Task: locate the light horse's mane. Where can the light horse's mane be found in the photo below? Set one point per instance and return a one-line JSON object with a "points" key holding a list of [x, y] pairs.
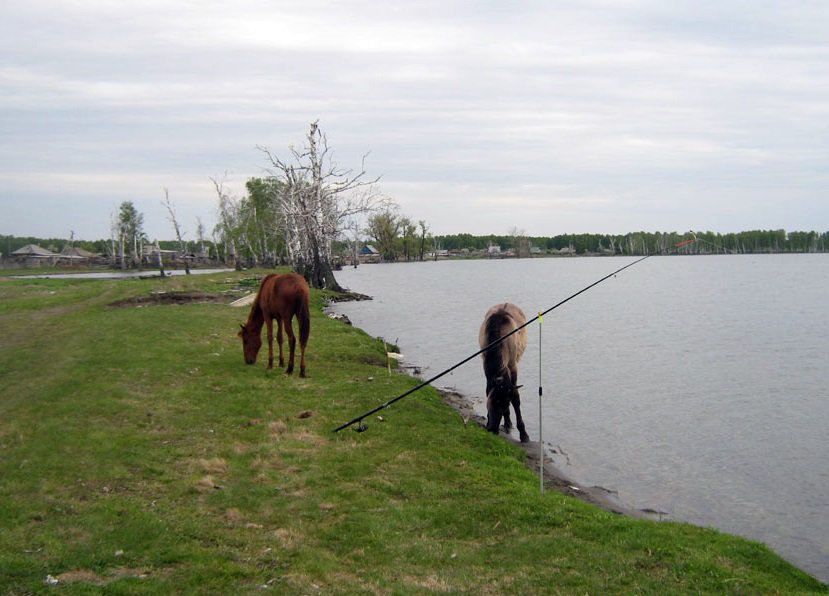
{"points": [[498, 359]]}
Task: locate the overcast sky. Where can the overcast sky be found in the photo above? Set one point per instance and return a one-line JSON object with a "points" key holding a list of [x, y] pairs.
{"points": [[550, 116]]}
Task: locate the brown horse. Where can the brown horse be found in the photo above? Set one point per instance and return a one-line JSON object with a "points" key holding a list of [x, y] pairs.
{"points": [[501, 366], [280, 297]]}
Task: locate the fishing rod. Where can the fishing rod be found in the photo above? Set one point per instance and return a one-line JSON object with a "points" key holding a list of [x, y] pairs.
{"points": [[362, 427]]}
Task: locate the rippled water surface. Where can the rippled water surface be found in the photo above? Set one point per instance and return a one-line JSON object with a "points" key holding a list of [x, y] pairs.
{"points": [[696, 386]]}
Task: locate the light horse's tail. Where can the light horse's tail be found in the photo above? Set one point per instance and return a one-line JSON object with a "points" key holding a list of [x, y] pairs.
{"points": [[500, 359], [495, 359]]}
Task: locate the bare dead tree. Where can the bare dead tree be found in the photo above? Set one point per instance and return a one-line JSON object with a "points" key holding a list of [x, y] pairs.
{"points": [[200, 235], [352, 237], [114, 227], [520, 242], [172, 217], [316, 200], [160, 259], [228, 221], [424, 229]]}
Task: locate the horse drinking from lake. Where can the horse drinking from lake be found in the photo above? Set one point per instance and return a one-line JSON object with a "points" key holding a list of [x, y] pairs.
{"points": [[280, 297], [501, 365]]}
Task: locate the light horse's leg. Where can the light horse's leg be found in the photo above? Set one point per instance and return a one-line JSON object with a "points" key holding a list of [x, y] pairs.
{"points": [[490, 410], [493, 417], [506, 351], [493, 410], [522, 431], [516, 405], [289, 329]]}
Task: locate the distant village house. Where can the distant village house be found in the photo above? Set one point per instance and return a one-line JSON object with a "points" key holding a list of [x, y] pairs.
{"points": [[369, 254]]}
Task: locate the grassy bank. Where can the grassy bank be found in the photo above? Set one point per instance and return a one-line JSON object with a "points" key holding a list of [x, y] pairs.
{"points": [[138, 454]]}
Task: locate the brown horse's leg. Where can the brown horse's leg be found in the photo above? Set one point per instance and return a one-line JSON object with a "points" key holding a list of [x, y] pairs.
{"points": [[279, 341], [269, 323], [289, 329]]}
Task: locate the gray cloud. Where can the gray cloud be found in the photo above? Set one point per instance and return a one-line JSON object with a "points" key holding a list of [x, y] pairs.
{"points": [[600, 116]]}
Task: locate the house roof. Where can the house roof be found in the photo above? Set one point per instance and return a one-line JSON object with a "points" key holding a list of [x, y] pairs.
{"points": [[33, 250], [368, 249], [76, 251]]}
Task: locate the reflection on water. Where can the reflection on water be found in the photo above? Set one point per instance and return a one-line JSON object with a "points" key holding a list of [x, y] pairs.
{"points": [[691, 385]]}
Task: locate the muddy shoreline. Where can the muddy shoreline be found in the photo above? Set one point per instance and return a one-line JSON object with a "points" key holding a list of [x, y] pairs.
{"points": [[554, 478]]}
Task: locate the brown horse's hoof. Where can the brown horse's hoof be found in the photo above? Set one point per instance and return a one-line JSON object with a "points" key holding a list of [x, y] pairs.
{"points": [[525, 438]]}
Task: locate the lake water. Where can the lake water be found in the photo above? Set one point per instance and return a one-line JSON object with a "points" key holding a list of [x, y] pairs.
{"points": [[696, 386]]}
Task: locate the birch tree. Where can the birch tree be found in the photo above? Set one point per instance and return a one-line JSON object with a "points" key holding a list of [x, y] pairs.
{"points": [[316, 199], [130, 233], [225, 231]]}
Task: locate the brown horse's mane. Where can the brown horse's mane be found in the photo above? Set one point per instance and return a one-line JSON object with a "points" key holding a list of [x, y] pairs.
{"points": [[256, 317]]}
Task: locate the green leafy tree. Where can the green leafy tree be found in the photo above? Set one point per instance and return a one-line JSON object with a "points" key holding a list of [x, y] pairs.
{"points": [[384, 228], [130, 234]]}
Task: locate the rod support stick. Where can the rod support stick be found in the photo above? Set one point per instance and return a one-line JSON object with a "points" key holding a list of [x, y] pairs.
{"points": [[540, 419]]}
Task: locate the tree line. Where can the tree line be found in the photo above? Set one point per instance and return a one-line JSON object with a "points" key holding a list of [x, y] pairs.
{"points": [[398, 237], [643, 243]]}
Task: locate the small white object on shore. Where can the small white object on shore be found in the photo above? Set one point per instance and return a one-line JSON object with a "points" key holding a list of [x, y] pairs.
{"points": [[244, 300]]}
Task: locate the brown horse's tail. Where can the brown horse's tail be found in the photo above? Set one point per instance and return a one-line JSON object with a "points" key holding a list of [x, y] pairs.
{"points": [[304, 316]]}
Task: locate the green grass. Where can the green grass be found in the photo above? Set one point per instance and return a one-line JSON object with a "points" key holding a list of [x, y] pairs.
{"points": [[139, 454]]}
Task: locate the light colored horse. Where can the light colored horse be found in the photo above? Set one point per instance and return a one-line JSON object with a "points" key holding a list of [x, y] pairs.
{"points": [[501, 365]]}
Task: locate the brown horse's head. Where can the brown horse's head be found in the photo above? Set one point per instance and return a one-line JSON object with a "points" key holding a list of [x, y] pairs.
{"points": [[251, 342], [499, 396]]}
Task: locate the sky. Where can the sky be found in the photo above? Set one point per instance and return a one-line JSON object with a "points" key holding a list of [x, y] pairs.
{"points": [[547, 116]]}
